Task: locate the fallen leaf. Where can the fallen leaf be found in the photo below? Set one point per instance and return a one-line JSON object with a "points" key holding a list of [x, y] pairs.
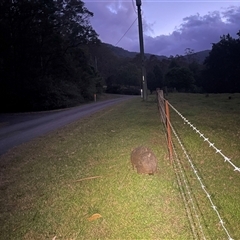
{"points": [[94, 217]]}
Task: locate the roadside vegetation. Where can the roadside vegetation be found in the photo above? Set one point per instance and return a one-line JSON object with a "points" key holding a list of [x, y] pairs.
{"points": [[78, 183], [52, 186], [44, 60]]}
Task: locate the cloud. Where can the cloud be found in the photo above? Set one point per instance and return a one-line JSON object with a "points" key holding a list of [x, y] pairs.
{"points": [[112, 19], [232, 16], [196, 32]]}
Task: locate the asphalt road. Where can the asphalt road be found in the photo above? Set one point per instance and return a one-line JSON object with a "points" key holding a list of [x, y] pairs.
{"points": [[16, 129]]}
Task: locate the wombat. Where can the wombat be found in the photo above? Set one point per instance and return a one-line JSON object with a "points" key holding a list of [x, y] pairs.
{"points": [[144, 160]]}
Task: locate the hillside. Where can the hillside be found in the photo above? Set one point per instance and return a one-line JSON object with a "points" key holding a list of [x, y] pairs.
{"points": [[200, 56], [122, 53]]}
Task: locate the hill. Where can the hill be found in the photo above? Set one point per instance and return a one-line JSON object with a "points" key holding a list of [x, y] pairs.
{"points": [[200, 56], [122, 53]]}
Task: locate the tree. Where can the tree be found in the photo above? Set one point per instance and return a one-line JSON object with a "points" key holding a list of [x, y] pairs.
{"points": [[73, 23], [42, 60], [189, 53], [173, 63], [155, 79], [152, 81], [179, 78], [159, 76], [103, 60], [222, 72]]}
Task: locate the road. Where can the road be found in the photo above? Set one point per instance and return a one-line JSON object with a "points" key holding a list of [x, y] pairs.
{"points": [[16, 129]]}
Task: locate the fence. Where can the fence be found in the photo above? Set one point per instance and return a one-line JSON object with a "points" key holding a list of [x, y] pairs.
{"points": [[189, 203]]}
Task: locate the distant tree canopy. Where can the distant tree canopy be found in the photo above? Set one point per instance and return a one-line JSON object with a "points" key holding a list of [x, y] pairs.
{"points": [[219, 73], [180, 79], [155, 79], [222, 73], [43, 60], [51, 57], [178, 72], [125, 79]]}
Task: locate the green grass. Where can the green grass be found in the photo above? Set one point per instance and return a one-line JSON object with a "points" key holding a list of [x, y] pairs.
{"points": [[218, 118], [46, 189]]}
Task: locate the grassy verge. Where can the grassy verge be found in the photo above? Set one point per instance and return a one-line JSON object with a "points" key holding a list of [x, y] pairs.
{"points": [[218, 118], [52, 185]]}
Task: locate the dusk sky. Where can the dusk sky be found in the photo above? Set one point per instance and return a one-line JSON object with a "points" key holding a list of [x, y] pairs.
{"points": [[169, 26]]}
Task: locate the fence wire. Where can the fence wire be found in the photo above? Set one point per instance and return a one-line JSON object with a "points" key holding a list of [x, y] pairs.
{"points": [[202, 185], [189, 198], [183, 185], [219, 151], [192, 212]]}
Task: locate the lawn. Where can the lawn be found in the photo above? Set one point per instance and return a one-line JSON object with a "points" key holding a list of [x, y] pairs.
{"points": [[78, 183], [53, 185], [217, 116]]}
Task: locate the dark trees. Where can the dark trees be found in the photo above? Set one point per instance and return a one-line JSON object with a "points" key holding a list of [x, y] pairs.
{"points": [[42, 60], [125, 79], [24, 40], [180, 79], [155, 79], [154, 73], [222, 72]]}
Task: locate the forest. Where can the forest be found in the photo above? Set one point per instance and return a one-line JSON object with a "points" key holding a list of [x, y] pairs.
{"points": [[51, 57], [44, 59]]}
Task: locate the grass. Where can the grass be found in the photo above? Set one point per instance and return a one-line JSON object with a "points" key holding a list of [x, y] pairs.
{"points": [[51, 186], [218, 118]]}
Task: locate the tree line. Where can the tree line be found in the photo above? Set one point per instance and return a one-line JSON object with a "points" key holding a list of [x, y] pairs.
{"points": [[51, 57], [44, 60], [218, 73], [222, 66]]}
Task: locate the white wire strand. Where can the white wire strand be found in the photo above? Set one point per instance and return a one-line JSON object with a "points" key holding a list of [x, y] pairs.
{"points": [[177, 168], [188, 191], [187, 207], [201, 183], [226, 159]]}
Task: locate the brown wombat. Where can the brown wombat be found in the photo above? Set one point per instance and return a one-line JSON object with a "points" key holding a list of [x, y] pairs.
{"points": [[144, 160]]}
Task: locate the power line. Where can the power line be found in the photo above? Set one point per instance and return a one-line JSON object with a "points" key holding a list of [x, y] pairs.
{"points": [[134, 7], [126, 32]]}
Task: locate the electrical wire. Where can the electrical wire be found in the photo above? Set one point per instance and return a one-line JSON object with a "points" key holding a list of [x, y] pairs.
{"points": [[134, 7], [126, 32]]}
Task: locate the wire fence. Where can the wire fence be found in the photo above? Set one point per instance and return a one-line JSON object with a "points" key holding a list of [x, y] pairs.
{"points": [[211, 144], [185, 189]]}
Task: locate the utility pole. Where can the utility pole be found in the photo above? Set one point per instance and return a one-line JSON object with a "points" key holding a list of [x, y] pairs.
{"points": [[144, 79]]}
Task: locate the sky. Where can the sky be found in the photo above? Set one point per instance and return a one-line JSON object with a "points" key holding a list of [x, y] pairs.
{"points": [[169, 26]]}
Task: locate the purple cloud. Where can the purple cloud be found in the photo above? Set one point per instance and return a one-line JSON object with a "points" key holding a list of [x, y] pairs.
{"points": [[112, 19], [196, 32]]}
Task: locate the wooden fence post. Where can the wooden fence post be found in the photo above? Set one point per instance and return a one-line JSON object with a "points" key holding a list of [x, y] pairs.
{"points": [[169, 137], [161, 107]]}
